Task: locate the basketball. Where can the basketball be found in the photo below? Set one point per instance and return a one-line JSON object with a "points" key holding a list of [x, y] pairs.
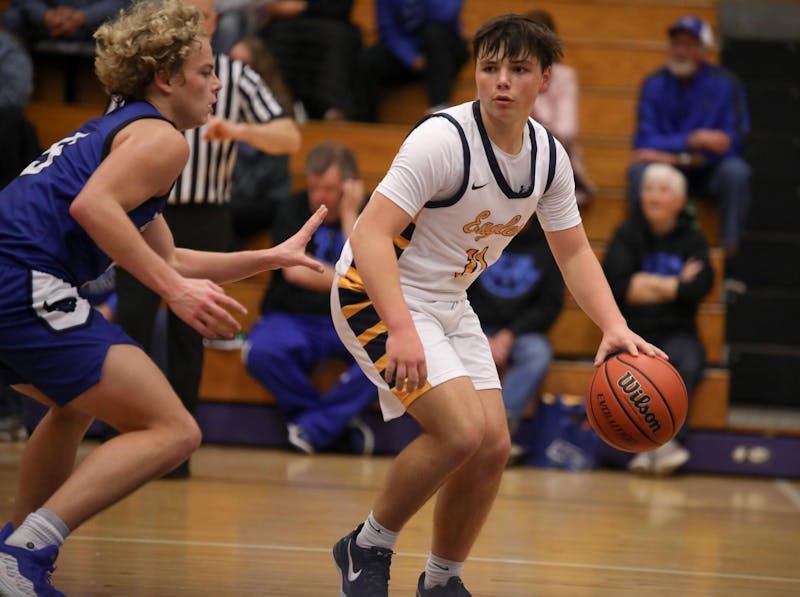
{"points": [[636, 403]]}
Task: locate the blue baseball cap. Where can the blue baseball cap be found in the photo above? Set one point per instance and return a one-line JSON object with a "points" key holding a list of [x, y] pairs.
{"points": [[696, 26]]}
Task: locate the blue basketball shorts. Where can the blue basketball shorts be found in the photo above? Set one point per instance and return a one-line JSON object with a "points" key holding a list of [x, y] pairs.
{"points": [[50, 336]]}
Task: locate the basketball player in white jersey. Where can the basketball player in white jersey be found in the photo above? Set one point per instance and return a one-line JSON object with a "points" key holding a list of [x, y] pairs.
{"points": [[463, 183]]}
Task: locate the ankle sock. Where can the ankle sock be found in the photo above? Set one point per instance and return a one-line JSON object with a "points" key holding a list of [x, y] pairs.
{"points": [[373, 534], [40, 529], [438, 571]]}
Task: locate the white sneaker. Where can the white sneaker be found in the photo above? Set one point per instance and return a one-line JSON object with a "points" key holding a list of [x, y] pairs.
{"points": [[516, 455], [12, 429], [235, 343], [669, 457], [298, 439], [642, 463]]}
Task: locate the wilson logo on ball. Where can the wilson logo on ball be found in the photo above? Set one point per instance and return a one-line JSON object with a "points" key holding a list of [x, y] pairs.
{"points": [[636, 403], [633, 390]]}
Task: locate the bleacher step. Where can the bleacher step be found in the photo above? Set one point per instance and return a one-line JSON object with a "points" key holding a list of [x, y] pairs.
{"points": [[225, 379]]}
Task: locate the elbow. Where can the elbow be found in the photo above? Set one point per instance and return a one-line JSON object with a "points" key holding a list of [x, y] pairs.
{"points": [[80, 211]]}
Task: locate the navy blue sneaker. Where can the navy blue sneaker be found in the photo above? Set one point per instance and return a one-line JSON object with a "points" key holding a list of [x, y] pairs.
{"points": [[365, 571], [453, 588], [25, 572]]}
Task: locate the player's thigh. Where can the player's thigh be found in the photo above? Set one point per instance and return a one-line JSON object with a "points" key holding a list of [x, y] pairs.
{"points": [[451, 407], [65, 415], [132, 393]]}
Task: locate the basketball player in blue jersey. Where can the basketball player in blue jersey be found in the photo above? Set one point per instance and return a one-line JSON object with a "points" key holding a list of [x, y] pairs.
{"points": [[463, 184], [92, 199]]}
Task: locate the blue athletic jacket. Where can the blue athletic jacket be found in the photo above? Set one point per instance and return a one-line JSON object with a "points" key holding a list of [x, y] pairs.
{"points": [[668, 111]]}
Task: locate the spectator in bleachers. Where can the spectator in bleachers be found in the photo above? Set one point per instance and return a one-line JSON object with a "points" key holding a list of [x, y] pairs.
{"points": [[260, 180], [418, 39], [19, 145], [659, 270], [693, 115], [16, 72], [316, 46], [295, 332], [74, 20], [557, 109], [517, 300]]}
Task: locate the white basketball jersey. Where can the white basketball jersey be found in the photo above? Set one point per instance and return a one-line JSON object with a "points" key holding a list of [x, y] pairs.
{"points": [[468, 199]]}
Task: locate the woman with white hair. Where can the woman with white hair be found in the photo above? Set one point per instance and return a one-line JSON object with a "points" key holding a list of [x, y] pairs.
{"points": [[659, 270]]}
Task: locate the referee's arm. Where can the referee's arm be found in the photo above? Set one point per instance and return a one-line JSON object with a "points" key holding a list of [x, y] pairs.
{"points": [[277, 136]]}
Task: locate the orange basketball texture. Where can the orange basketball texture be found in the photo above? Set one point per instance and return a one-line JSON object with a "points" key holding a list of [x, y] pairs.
{"points": [[636, 403]]}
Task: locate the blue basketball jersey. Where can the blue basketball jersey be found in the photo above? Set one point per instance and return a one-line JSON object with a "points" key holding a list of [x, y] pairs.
{"points": [[36, 228]]}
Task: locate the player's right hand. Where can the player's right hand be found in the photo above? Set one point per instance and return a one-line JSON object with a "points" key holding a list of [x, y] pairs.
{"points": [[204, 305], [405, 361]]}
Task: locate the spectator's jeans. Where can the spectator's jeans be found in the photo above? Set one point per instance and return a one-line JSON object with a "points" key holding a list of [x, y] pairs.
{"points": [[530, 359], [727, 183], [688, 355], [282, 350]]}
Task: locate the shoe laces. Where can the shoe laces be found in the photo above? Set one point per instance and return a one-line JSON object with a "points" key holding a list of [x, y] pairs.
{"points": [[44, 574], [376, 570], [454, 588], [457, 589]]}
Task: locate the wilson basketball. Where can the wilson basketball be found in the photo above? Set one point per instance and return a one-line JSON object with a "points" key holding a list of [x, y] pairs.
{"points": [[636, 403]]}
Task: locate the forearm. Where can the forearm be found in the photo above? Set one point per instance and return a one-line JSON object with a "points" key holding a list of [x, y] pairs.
{"points": [[309, 279], [646, 288], [221, 267], [277, 136]]}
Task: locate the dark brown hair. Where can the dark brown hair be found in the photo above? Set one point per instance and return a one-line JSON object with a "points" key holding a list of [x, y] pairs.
{"points": [[518, 37]]}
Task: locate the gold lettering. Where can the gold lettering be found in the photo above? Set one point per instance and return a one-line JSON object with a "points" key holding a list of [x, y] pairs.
{"points": [[483, 229]]}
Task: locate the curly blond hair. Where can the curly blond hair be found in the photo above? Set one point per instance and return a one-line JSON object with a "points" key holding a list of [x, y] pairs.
{"points": [[150, 36]]}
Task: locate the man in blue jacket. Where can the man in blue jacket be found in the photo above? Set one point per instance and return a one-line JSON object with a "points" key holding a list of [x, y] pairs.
{"points": [[693, 115]]}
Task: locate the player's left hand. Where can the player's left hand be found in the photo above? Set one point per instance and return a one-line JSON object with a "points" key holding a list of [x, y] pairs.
{"points": [[622, 338], [292, 251]]}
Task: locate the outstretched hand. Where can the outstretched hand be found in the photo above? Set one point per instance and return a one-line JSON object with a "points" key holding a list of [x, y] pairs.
{"points": [[624, 339], [205, 307], [292, 251]]}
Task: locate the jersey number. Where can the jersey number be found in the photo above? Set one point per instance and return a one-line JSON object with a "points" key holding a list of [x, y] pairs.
{"points": [[476, 261], [51, 154]]}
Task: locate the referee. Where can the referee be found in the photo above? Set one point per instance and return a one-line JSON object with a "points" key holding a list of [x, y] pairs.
{"points": [[197, 211]]}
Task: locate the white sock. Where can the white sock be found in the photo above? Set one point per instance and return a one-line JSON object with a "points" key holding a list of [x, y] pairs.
{"points": [[40, 529], [374, 534], [438, 571]]}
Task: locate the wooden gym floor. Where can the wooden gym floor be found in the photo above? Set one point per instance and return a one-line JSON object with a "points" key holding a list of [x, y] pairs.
{"points": [[259, 522]]}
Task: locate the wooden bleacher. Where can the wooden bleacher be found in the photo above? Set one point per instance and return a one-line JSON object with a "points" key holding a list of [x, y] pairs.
{"points": [[612, 45]]}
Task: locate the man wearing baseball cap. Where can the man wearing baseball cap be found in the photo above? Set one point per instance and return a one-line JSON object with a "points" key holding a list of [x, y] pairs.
{"points": [[692, 114]]}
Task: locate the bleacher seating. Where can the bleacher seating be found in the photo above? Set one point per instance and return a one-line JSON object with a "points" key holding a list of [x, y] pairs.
{"points": [[612, 45]]}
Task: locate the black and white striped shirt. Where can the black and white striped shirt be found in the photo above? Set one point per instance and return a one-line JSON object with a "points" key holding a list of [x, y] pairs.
{"points": [[244, 97], [207, 177]]}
